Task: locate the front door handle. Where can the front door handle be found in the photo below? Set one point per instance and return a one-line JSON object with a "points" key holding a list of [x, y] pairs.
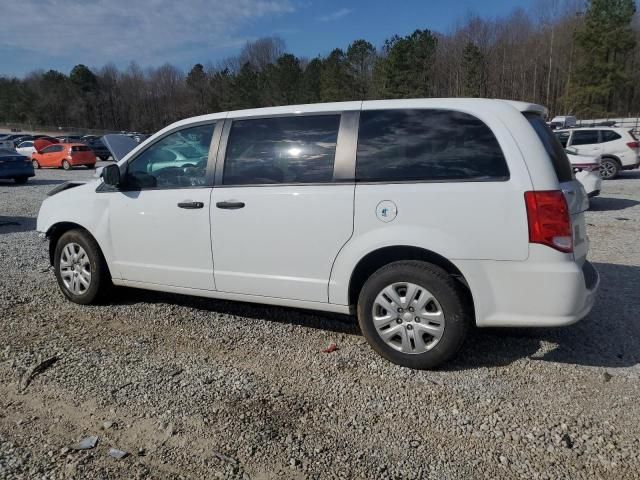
{"points": [[230, 205], [191, 205]]}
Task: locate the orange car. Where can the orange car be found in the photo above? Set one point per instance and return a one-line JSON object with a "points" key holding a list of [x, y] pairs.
{"points": [[65, 155]]}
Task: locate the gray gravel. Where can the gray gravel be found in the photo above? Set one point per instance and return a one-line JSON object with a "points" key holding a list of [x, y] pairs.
{"points": [[197, 388]]}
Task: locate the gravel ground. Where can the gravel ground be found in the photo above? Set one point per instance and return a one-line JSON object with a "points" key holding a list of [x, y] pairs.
{"points": [[198, 388]]}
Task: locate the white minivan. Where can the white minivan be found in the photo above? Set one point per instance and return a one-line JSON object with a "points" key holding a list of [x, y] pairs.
{"points": [[423, 217]]}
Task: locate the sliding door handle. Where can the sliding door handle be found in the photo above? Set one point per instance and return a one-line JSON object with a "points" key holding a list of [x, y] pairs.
{"points": [[191, 205], [230, 205]]}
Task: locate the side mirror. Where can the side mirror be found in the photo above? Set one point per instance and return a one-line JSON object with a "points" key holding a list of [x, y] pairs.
{"points": [[111, 175]]}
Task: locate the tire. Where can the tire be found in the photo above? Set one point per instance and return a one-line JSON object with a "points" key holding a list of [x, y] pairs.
{"points": [[99, 283], [449, 307], [92, 166], [66, 165], [609, 168], [21, 180], [35, 164], [104, 159]]}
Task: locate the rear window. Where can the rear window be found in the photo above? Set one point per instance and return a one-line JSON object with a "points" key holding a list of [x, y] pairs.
{"points": [[551, 144], [80, 149], [427, 145]]}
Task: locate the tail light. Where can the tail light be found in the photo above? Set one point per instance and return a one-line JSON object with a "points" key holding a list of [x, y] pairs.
{"points": [[549, 222], [633, 145]]}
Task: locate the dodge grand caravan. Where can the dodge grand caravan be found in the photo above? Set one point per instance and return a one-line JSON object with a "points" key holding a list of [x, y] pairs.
{"points": [[422, 217]]}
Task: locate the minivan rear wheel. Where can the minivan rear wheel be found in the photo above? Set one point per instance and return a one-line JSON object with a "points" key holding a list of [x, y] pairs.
{"points": [[413, 314], [80, 268]]}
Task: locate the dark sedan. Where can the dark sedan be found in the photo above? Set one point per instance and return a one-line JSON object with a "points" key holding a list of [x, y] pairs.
{"points": [[15, 166]]}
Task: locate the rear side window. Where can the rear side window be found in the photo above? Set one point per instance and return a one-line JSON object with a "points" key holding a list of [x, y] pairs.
{"points": [[426, 145], [295, 149], [551, 144], [584, 137], [609, 136]]}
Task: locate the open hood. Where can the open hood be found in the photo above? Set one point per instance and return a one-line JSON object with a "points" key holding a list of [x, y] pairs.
{"points": [[41, 143], [119, 145]]}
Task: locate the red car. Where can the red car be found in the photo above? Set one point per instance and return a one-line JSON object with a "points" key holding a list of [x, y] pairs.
{"points": [[65, 155]]}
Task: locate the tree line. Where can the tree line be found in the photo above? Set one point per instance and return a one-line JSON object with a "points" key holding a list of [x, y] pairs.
{"points": [[573, 56]]}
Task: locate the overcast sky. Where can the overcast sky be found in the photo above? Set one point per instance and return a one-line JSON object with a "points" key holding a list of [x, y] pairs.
{"points": [[43, 34]]}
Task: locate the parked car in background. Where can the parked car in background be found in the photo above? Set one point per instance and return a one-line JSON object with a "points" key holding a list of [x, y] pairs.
{"points": [[618, 147], [64, 155], [70, 138], [563, 121], [586, 169], [97, 145], [15, 166], [9, 141], [355, 207], [26, 148]]}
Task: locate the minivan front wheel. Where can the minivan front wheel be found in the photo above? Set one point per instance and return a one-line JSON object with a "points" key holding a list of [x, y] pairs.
{"points": [[80, 268], [413, 314]]}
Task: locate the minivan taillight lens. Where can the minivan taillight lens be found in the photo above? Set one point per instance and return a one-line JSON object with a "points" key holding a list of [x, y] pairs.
{"points": [[549, 221]]}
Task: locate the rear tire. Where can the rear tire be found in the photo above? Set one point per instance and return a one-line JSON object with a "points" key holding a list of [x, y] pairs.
{"points": [[104, 159], [35, 164], [609, 168], [417, 336], [21, 180], [80, 268], [66, 165]]}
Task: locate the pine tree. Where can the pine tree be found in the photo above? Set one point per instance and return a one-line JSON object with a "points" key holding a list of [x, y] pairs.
{"points": [[473, 65], [605, 42]]}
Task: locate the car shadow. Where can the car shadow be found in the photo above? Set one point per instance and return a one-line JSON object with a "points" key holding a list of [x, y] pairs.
{"points": [[608, 337], [16, 224], [603, 204], [30, 182]]}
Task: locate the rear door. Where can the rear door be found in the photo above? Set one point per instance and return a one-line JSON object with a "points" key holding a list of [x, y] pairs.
{"points": [[279, 212], [586, 142]]}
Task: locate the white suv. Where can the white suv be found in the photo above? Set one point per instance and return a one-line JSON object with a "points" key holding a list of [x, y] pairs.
{"points": [[618, 147], [422, 216]]}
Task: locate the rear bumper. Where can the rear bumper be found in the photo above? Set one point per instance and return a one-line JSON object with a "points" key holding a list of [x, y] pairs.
{"points": [[527, 294], [13, 171]]}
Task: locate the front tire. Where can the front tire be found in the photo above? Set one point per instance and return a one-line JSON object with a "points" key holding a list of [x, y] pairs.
{"points": [[80, 268], [35, 164], [66, 165], [414, 314], [609, 169]]}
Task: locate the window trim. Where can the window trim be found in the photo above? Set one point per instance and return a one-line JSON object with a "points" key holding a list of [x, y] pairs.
{"points": [[504, 178], [211, 158], [341, 165]]}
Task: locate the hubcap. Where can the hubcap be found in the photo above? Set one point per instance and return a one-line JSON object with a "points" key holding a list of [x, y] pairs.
{"points": [[75, 268], [408, 318]]}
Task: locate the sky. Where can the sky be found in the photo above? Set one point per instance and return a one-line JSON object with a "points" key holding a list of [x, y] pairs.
{"points": [[58, 34]]}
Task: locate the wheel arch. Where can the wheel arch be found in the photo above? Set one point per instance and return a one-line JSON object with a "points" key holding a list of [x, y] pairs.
{"points": [[380, 257], [56, 230], [612, 157]]}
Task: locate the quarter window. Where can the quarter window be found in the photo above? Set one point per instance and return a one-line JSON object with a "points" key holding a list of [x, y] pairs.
{"points": [[436, 145], [584, 137], [609, 136], [294, 149], [179, 160]]}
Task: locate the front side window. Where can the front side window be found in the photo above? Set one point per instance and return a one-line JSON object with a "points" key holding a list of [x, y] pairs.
{"points": [[178, 160], [431, 145], [563, 138], [584, 137], [53, 149], [293, 149]]}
